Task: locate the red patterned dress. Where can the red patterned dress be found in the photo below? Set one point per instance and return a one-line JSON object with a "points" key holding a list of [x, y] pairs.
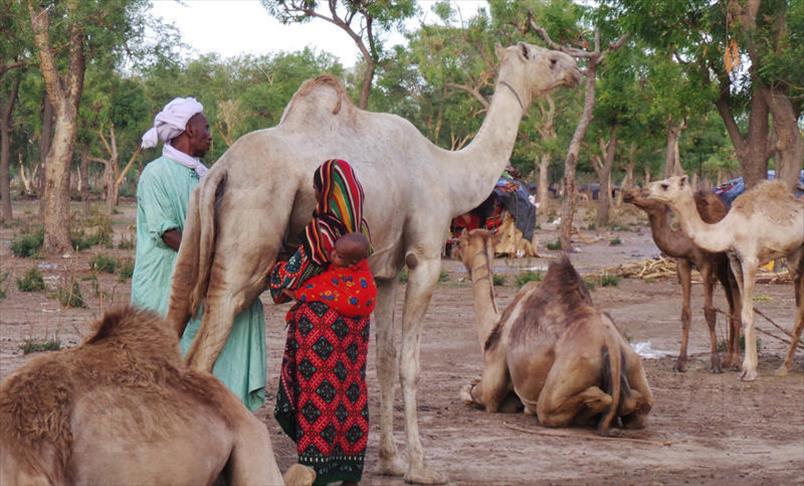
{"points": [[322, 402]]}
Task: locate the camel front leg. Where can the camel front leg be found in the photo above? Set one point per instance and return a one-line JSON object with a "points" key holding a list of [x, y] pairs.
{"points": [[795, 265], [635, 415], [390, 463], [421, 283], [685, 279], [732, 291], [708, 274], [492, 391], [749, 271]]}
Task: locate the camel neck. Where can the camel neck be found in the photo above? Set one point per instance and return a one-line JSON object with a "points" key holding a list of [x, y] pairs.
{"points": [[672, 242], [486, 313], [472, 172], [710, 237]]}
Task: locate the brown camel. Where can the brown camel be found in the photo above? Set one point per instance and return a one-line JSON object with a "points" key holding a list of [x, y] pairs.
{"points": [[764, 222], [122, 408], [562, 358], [259, 195], [713, 267]]}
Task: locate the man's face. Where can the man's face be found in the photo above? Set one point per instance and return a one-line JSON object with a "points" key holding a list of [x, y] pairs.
{"points": [[199, 135]]}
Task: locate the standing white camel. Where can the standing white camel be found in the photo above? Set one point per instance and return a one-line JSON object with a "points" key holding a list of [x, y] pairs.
{"points": [[259, 195], [765, 222]]}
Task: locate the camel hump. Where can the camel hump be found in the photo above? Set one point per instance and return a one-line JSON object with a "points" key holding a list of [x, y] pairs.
{"points": [[710, 207], [564, 281], [323, 94], [772, 199], [131, 326]]}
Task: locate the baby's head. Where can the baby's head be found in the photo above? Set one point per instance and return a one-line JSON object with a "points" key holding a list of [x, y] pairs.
{"points": [[350, 249]]}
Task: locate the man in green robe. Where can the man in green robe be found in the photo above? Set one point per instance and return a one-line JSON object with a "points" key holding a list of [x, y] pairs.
{"points": [[163, 193]]}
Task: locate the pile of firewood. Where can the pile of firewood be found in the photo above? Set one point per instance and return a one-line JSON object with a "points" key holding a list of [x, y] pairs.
{"points": [[663, 267]]}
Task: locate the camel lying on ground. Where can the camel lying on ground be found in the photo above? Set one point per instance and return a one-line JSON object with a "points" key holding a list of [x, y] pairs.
{"points": [[122, 408], [564, 360], [765, 222], [713, 267], [258, 197]]}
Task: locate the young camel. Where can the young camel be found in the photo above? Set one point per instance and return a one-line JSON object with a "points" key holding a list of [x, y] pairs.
{"points": [[562, 358], [122, 408], [764, 222], [258, 198], [713, 267]]}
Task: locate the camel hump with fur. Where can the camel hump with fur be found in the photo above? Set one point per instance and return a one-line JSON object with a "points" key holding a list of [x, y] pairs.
{"points": [[773, 200], [710, 207], [322, 91]]}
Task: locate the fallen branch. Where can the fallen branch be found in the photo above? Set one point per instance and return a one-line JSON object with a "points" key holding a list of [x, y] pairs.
{"points": [[568, 435], [799, 345]]}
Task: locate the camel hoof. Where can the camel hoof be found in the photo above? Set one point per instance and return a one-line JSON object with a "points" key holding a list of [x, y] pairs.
{"points": [[393, 466], [680, 367], [748, 375], [466, 394], [424, 475], [714, 366], [298, 475], [781, 371]]}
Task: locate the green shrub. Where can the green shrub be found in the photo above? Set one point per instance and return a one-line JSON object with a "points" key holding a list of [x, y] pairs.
{"points": [[102, 263], [32, 281], [609, 280], [443, 277], [615, 242], [126, 270], [498, 280], [70, 295], [403, 276], [34, 346], [554, 245], [3, 277], [590, 283], [126, 244], [28, 243], [529, 276]]}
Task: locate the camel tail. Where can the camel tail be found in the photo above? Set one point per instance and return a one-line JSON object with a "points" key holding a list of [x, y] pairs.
{"points": [[612, 372], [185, 272], [206, 215]]}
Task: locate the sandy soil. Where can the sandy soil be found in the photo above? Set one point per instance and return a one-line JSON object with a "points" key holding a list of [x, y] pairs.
{"points": [[704, 429]]}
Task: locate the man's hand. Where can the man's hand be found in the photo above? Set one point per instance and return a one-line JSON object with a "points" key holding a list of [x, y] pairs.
{"points": [[172, 238]]}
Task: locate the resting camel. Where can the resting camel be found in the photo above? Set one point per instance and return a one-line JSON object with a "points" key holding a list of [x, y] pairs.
{"points": [[122, 408], [713, 267], [764, 222], [562, 358], [257, 198]]}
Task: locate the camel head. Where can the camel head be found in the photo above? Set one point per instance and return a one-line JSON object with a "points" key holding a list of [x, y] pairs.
{"points": [[534, 71], [640, 198], [670, 190], [471, 244]]}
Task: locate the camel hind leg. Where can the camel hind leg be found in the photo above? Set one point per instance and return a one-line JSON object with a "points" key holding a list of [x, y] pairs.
{"points": [[795, 265], [707, 272], [635, 408]]}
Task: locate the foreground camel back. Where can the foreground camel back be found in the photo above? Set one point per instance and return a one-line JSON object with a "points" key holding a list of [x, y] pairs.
{"points": [[764, 222], [259, 195], [713, 267], [122, 408], [562, 358]]}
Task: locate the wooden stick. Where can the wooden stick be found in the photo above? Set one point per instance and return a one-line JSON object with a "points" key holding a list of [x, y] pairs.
{"points": [[566, 435], [799, 345]]}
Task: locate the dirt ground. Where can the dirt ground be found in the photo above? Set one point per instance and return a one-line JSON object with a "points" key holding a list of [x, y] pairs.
{"points": [[705, 428]]}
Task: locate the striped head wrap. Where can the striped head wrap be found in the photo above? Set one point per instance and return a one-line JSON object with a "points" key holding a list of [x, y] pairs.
{"points": [[338, 211]]}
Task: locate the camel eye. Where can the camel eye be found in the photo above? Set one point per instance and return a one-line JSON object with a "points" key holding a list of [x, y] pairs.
{"points": [[665, 186], [553, 63]]}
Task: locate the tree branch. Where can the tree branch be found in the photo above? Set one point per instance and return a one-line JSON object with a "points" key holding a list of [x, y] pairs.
{"points": [[40, 23], [472, 91]]}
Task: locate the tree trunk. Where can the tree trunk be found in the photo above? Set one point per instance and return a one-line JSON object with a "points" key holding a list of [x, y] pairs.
{"points": [[85, 180], [604, 197], [57, 183], [752, 151], [45, 141], [672, 159], [789, 146], [542, 189], [5, 151], [568, 204], [368, 78]]}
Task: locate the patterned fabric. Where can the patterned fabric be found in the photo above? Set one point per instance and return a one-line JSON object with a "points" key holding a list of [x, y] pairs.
{"points": [[322, 402], [349, 291], [339, 209], [290, 275]]}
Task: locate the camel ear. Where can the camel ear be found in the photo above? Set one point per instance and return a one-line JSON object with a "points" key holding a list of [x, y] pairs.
{"points": [[499, 51], [682, 181], [523, 49]]}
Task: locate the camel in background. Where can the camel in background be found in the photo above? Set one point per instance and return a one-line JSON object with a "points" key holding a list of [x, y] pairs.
{"points": [[565, 360], [122, 408], [713, 267], [258, 196], [764, 222]]}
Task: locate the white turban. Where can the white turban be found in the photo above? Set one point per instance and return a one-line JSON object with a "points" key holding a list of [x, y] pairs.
{"points": [[171, 121]]}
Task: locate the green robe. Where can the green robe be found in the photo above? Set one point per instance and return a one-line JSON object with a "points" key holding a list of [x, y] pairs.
{"points": [[163, 193]]}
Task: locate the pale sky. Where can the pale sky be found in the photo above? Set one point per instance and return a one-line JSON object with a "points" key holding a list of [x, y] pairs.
{"points": [[232, 27]]}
